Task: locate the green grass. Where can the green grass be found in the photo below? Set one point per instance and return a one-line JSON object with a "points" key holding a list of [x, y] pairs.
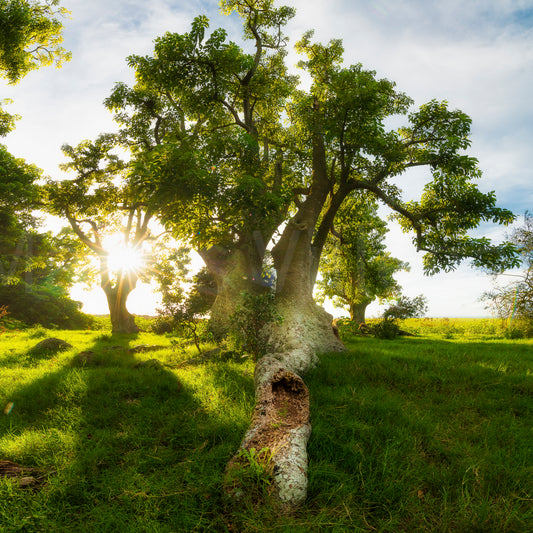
{"points": [[419, 434]]}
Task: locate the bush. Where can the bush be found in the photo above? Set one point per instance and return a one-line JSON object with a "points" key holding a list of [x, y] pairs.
{"points": [[385, 329], [163, 324], [41, 305], [513, 332]]}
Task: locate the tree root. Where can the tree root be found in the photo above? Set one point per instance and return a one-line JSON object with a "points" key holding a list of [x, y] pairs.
{"points": [[27, 477], [280, 426]]}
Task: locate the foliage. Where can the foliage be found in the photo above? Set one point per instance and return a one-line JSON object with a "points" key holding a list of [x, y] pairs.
{"points": [[18, 183], [248, 323], [429, 435], [385, 329], [45, 305], [36, 258], [30, 36], [197, 120], [183, 310], [3, 314], [227, 148], [100, 204]]}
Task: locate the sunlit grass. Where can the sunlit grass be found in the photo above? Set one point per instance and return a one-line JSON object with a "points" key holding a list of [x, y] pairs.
{"points": [[428, 433]]}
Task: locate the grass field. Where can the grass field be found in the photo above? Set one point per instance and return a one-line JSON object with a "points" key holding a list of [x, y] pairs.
{"points": [[432, 433]]}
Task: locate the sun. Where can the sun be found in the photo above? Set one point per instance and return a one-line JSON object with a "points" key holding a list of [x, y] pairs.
{"points": [[125, 259]]}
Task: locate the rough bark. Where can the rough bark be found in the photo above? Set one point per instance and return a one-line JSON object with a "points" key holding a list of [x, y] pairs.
{"points": [[357, 312], [236, 270], [122, 321], [280, 425]]}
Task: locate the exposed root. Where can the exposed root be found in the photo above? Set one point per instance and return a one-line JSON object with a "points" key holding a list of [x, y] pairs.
{"points": [[26, 477], [280, 424]]}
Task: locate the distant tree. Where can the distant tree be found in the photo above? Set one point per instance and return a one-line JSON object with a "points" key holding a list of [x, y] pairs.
{"points": [[97, 203], [355, 267], [516, 298]]}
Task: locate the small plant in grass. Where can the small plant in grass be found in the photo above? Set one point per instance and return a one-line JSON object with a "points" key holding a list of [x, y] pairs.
{"points": [[385, 329], [248, 323], [250, 476], [37, 332]]}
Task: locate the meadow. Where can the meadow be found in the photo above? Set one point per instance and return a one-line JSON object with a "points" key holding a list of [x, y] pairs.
{"points": [[424, 433]]}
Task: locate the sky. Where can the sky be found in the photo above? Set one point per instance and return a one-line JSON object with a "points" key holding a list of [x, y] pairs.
{"points": [[477, 55]]}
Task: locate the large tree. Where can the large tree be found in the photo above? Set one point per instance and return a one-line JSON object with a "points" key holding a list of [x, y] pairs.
{"points": [[99, 203], [231, 152], [204, 123], [355, 267]]}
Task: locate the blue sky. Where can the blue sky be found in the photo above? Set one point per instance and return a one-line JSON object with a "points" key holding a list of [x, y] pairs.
{"points": [[477, 55]]}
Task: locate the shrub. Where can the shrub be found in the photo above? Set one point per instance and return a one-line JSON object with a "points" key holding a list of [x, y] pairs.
{"points": [[42, 305], [513, 332], [249, 320], [163, 324], [385, 329]]}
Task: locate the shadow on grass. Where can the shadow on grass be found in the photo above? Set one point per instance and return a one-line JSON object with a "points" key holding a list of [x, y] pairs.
{"points": [[129, 446]]}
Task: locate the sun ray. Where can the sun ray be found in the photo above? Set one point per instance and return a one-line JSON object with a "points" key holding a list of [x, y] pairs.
{"points": [[122, 257]]}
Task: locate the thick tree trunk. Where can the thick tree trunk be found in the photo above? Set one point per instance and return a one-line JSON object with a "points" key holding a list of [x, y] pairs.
{"points": [[280, 423], [228, 269], [122, 321], [235, 270], [357, 312], [305, 324]]}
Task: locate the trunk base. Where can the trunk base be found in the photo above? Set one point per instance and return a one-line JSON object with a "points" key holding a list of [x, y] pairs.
{"points": [[304, 329]]}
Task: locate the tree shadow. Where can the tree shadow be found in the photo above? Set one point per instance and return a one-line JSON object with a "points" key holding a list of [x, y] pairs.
{"points": [[127, 445]]}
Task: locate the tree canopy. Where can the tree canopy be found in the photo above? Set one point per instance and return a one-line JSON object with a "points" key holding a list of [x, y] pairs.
{"points": [[30, 36]]}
